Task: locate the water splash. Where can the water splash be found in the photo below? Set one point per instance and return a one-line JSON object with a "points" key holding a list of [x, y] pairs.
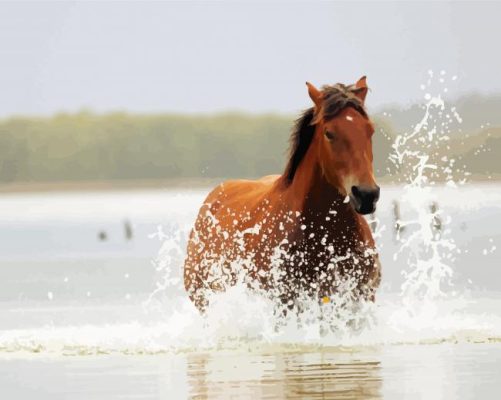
{"points": [[426, 251], [429, 247]]}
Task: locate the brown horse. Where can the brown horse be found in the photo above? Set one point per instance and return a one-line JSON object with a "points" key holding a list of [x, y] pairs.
{"points": [[302, 232]]}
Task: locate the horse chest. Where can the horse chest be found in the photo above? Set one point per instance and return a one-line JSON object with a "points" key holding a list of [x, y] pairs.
{"points": [[321, 257]]}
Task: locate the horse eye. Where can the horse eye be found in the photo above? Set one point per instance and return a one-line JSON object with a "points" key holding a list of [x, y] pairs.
{"points": [[330, 135]]}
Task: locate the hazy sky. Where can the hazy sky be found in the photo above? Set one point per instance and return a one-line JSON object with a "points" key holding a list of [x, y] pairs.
{"points": [[213, 56]]}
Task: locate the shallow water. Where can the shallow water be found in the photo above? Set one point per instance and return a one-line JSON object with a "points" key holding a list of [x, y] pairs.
{"points": [[82, 317], [443, 371]]}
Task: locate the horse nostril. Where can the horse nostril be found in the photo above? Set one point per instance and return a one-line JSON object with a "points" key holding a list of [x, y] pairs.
{"points": [[365, 198], [366, 195]]}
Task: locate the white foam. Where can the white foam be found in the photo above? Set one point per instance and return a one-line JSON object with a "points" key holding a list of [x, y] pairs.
{"points": [[241, 320]]}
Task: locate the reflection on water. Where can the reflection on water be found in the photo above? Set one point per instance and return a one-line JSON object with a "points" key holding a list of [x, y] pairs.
{"points": [[292, 376], [389, 372], [215, 375]]}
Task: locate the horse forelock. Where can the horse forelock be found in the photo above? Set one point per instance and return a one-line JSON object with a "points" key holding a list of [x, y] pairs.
{"points": [[336, 98]]}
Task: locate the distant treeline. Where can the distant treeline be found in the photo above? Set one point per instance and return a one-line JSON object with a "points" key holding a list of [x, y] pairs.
{"points": [[86, 146], [119, 146]]}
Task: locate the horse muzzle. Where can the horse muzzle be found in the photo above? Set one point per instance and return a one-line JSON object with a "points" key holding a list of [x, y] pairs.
{"points": [[364, 198]]}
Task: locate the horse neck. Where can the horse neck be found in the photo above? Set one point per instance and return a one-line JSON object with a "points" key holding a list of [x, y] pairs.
{"points": [[321, 206]]}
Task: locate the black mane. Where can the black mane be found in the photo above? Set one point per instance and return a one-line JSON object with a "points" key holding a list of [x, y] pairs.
{"points": [[300, 140], [335, 99]]}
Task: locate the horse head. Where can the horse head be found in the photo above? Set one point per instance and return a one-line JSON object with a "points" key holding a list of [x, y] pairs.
{"points": [[343, 132]]}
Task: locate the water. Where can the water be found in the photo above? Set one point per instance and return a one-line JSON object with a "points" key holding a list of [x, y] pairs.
{"points": [[85, 318], [411, 372], [92, 303]]}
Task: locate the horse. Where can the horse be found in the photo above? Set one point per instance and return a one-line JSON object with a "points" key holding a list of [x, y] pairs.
{"points": [[301, 232]]}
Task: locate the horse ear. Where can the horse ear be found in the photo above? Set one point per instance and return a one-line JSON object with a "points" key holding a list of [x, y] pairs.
{"points": [[361, 88], [315, 94]]}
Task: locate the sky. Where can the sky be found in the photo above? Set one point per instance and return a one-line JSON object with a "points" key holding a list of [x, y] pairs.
{"points": [[193, 57]]}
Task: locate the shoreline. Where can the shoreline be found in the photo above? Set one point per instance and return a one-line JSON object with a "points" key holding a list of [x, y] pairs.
{"points": [[104, 186], [162, 184]]}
